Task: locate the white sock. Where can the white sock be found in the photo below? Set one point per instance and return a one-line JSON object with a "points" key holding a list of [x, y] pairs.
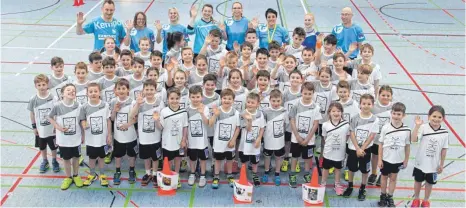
{"points": [[149, 172]]}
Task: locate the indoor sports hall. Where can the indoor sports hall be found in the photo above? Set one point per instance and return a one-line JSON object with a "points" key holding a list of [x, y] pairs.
{"points": [[419, 45]]}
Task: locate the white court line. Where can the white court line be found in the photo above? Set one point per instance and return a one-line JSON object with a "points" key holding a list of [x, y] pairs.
{"points": [[52, 49], [304, 6], [60, 37]]}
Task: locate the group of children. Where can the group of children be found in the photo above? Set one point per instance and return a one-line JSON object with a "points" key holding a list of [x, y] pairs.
{"points": [[286, 102]]}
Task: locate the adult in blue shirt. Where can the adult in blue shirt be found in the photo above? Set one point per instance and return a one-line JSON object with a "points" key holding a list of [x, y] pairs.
{"points": [[236, 26], [266, 33], [202, 27], [102, 27], [348, 33], [137, 29], [173, 26]]}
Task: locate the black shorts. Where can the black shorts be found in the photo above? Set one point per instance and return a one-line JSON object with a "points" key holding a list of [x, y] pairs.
{"points": [[375, 149], [277, 153], [171, 154], [152, 151], [287, 136], [306, 152], [327, 164], [195, 154], [389, 168], [95, 152], [70, 152], [43, 142], [224, 155], [122, 149], [420, 176], [356, 163], [254, 159]]}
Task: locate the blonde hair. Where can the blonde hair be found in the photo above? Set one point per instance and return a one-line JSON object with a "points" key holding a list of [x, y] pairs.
{"points": [[310, 15], [177, 12]]}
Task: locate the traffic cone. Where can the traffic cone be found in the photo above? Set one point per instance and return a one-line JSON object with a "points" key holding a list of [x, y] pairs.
{"points": [[313, 193], [167, 180], [242, 191]]}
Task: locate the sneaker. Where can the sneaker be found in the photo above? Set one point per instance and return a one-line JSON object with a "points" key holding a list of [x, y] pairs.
{"points": [[278, 181], [307, 178], [292, 181], [154, 182], [330, 171], [66, 183], [55, 166], [383, 200], [132, 177], [77, 181], [338, 189], [116, 178], [389, 201], [371, 180], [265, 178], [44, 166], [90, 178], [425, 204], [202, 182], [348, 192], [103, 180], [416, 203], [108, 158], [256, 180], [81, 160], [377, 183], [298, 169], [146, 180], [362, 195], [215, 183], [346, 175], [284, 167], [231, 180], [184, 166], [192, 179], [179, 184], [235, 167]]}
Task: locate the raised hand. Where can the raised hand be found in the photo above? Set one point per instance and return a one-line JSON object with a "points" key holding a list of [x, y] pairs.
{"points": [[215, 110], [418, 121], [80, 18], [158, 25], [320, 37], [253, 23], [200, 108], [156, 116], [221, 26], [353, 46], [117, 107], [208, 40], [129, 24], [193, 11], [140, 99], [236, 46]]}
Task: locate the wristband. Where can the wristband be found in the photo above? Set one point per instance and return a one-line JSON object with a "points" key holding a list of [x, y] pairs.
{"points": [[34, 126], [319, 44]]}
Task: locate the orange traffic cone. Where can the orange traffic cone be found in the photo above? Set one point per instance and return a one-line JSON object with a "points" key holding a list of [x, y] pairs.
{"points": [[242, 191], [167, 180], [313, 193]]}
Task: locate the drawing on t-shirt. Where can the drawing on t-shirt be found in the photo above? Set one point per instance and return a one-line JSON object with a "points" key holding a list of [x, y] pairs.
{"points": [[356, 97], [81, 99], [395, 142], [43, 115], [264, 105], [182, 105], [70, 124], [58, 90], [335, 140], [251, 136], [109, 95], [97, 125], [278, 128], [136, 93], [175, 130], [303, 124], [195, 127], [224, 133], [122, 118], [160, 85], [382, 122], [322, 102], [238, 106], [214, 65], [346, 117], [148, 124], [361, 136], [290, 105], [431, 147]]}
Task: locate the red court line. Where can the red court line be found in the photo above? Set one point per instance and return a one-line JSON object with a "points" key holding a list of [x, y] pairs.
{"points": [[406, 71], [147, 8], [24, 62], [448, 13], [434, 74], [39, 25], [18, 180], [453, 175], [403, 37]]}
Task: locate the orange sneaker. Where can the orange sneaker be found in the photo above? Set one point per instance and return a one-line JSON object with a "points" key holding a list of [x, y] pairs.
{"points": [[416, 203], [425, 204]]}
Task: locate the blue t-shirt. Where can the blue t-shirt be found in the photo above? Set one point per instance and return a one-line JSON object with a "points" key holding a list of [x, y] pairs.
{"points": [[201, 29], [168, 28], [136, 35], [236, 31], [102, 29], [311, 39], [346, 36], [281, 35]]}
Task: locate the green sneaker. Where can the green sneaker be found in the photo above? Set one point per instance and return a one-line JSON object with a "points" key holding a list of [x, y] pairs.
{"points": [[293, 181], [66, 183], [179, 183], [78, 182], [90, 179], [307, 178], [81, 160], [298, 168], [108, 158]]}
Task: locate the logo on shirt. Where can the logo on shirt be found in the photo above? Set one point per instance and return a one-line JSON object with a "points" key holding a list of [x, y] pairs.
{"points": [[166, 27], [224, 133], [97, 125], [175, 130], [278, 129], [322, 102], [396, 143], [361, 136], [303, 124], [382, 122], [148, 124], [229, 22], [335, 141], [43, 114], [122, 118], [69, 124], [338, 30], [432, 146], [346, 117], [238, 106], [195, 127], [252, 135]]}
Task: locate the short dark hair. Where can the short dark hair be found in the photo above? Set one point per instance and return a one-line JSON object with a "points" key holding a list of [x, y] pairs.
{"points": [[108, 2], [156, 53], [122, 82], [56, 60], [254, 96], [308, 86], [367, 97], [227, 92], [251, 31], [335, 105], [216, 33], [108, 61], [330, 39], [209, 77], [295, 71], [149, 82], [274, 45], [93, 84], [270, 10], [126, 52], [263, 73], [95, 56], [437, 108], [138, 60], [309, 49], [247, 44], [300, 32], [399, 107], [152, 69], [173, 90], [262, 51], [196, 89], [343, 84], [275, 93]]}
